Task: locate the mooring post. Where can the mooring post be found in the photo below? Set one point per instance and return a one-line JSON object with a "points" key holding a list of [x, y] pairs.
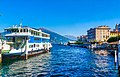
{"points": [[118, 62], [115, 58], [118, 58], [118, 48]]}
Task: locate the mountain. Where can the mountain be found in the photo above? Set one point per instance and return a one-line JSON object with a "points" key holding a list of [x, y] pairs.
{"points": [[71, 37], [55, 38]]}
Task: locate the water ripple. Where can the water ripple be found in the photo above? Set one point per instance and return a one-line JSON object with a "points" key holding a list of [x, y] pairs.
{"points": [[63, 61]]}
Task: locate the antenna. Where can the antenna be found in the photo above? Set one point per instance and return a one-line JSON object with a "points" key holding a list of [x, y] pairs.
{"points": [[21, 23]]}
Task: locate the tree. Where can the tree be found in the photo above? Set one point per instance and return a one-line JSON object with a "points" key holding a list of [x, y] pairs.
{"points": [[113, 39], [78, 42]]}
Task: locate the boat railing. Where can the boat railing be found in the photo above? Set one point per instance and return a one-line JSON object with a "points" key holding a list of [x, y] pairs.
{"points": [[9, 42]]}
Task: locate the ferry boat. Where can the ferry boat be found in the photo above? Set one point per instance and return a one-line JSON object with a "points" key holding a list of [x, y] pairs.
{"points": [[23, 40]]}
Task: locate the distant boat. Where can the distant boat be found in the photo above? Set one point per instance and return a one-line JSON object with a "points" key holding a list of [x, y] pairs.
{"points": [[20, 41]]}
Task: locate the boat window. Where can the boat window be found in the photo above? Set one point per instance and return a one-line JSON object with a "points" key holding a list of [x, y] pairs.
{"points": [[31, 32], [9, 39], [13, 39], [30, 46], [40, 34], [20, 30], [36, 38], [37, 33], [45, 35], [13, 30], [17, 30], [8, 31], [38, 45], [24, 30]]}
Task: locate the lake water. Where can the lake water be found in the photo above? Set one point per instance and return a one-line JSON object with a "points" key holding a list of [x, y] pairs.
{"points": [[63, 61]]}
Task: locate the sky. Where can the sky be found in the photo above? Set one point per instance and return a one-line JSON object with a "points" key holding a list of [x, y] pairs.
{"points": [[66, 17]]}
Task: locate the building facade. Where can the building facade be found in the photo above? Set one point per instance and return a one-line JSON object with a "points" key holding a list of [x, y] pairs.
{"points": [[82, 38], [117, 27], [91, 35], [99, 34], [114, 33]]}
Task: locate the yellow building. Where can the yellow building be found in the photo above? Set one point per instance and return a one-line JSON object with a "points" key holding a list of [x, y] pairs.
{"points": [[114, 33]]}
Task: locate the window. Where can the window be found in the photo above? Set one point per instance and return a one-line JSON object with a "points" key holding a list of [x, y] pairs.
{"points": [[34, 45], [30, 46], [17, 30], [32, 32], [20, 30], [36, 38], [38, 34], [26, 30], [29, 30], [37, 45], [23, 30]]}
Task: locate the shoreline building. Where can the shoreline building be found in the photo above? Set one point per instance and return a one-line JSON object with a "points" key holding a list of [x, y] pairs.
{"points": [[98, 34], [82, 38], [117, 28], [116, 31]]}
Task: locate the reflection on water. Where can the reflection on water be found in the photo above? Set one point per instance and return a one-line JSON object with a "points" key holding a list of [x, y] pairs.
{"points": [[104, 63], [31, 67], [64, 61], [102, 52]]}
